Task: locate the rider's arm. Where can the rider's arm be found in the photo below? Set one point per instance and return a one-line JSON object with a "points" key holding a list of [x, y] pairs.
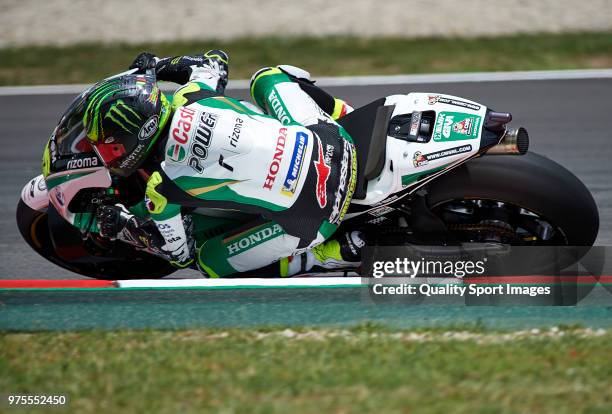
{"points": [[169, 221], [210, 68], [85, 222], [88, 222]]}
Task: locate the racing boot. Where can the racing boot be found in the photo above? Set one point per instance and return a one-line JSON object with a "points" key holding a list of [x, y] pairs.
{"points": [[341, 253]]}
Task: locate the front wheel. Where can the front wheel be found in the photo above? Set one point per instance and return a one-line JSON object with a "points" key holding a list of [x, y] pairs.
{"points": [[125, 263]]}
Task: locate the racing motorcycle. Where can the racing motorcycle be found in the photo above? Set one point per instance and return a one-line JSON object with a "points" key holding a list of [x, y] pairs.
{"points": [[432, 169]]}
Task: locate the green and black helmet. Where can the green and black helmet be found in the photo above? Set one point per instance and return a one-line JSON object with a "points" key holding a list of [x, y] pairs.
{"points": [[123, 119]]}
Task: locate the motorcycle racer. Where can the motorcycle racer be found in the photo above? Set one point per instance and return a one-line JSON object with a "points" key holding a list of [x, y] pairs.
{"points": [[293, 167]]}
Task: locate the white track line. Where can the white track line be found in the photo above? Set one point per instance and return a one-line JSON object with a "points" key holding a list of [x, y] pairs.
{"points": [[244, 283], [360, 80]]}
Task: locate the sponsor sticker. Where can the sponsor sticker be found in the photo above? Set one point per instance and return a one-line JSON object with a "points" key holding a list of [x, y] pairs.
{"points": [[254, 239], [277, 158], [180, 133], [343, 191], [386, 201], [53, 148], [59, 196], [278, 108], [82, 163], [176, 152], [415, 123], [456, 126], [134, 157], [235, 135], [154, 95], [323, 169], [41, 185], [377, 220], [295, 167], [202, 140], [419, 159], [149, 128], [433, 99]]}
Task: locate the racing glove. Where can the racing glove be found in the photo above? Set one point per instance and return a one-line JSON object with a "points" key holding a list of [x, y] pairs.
{"points": [[143, 61], [212, 65], [117, 223]]}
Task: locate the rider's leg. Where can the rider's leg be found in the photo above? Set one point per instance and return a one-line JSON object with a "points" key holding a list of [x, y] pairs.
{"points": [[335, 107], [250, 247], [282, 96], [273, 90], [294, 100], [341, 252], [265, 247]]}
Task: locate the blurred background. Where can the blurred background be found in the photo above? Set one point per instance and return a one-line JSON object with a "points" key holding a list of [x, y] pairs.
{"points": [[80, 42], [68, 41], [64, 22]]}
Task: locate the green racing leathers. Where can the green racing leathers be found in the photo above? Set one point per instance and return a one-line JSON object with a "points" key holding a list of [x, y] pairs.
{"points": [[293, 168]]}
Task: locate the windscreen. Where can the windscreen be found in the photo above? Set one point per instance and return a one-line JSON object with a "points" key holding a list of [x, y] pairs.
{"points": [[70, 137]]}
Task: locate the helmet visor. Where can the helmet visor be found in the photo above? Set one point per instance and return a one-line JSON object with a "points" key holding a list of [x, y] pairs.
{"points": [[110, 153]]}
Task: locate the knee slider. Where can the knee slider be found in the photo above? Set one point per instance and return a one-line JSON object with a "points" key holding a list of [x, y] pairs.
{"points": [[263, 80], [260, 73]]}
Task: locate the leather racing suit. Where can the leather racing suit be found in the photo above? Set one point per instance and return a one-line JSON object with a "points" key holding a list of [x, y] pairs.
{"points": [[292, 166]]}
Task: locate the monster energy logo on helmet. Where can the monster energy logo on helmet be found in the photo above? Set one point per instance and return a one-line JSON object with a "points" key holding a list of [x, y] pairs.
{"points": [[92, 119], [131, 110], [124, 116], [120, 93]]}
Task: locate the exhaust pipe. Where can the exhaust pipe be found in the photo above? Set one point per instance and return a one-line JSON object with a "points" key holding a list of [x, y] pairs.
{"points": [[515, 141]]}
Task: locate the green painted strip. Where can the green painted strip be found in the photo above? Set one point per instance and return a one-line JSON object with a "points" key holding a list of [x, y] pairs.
{"points": [[249, 287], [54, 181], [58, 289], [412, 178]]}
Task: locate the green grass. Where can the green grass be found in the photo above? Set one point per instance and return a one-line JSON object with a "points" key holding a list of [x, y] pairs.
{"points": [[322, 56], [365, 369]]}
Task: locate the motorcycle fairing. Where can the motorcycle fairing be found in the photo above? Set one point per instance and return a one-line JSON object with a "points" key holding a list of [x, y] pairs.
{"points": [[454, 137]]}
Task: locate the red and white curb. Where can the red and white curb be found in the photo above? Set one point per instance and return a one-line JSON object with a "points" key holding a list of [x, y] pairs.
{"points": [[296, 282], [252, 283], [57, 284]]}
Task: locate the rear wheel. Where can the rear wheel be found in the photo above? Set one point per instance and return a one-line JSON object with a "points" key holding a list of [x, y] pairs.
{"points": [[517, 200]]}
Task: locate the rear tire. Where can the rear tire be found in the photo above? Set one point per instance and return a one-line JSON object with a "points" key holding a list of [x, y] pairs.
{"points": [[531, 181]]}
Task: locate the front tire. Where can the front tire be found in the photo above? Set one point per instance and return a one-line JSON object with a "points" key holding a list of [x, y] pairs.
{"points": [[125, 264]]}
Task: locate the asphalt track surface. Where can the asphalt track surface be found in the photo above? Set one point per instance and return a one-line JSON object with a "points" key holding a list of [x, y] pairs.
{"points": [[569, 121]]}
